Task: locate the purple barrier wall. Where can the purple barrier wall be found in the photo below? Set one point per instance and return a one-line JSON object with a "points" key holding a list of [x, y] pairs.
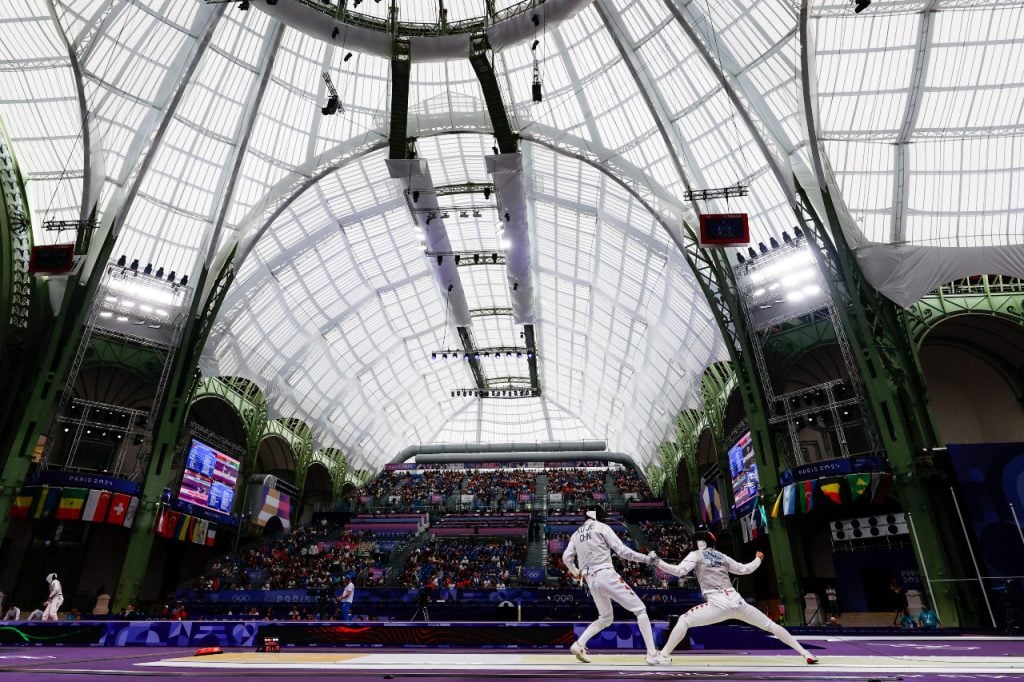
{"points": [[385, 527], [452, 531]]}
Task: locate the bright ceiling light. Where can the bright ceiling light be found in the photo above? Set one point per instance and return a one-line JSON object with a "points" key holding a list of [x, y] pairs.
{"points": [[122, 318], [794, 262], [812, 289], [106, 313], [142, 288], [760, 292], [795, 296]]}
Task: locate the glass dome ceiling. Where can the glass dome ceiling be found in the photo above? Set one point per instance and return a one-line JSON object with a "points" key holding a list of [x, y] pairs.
{"points": [[197, 129]]}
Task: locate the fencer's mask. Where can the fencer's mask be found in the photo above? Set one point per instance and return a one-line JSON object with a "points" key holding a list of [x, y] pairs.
{"points": [[598, 513], [50, 578], [704, 539]]}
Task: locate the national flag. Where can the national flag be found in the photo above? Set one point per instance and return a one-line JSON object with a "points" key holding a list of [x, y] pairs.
{"points": [[199, 530], [71, 502], [807, 496], [171, 521], [46, 502], [777, 507], [96, 506], [118, 509], [789, 499], [858, 483], [880, 484], [211, 536], [161, 517], [831, 491], [184, 529], [133, 508], [23, 503]]}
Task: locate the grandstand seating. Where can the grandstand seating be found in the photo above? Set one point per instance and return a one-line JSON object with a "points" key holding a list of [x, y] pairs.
{"points": [[467, 563], [516, 523]]}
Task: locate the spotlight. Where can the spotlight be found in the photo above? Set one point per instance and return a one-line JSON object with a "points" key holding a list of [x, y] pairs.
{"points": [[333, 103], [433, 356], [487, 191], [762, 247], [444, 356], [184, 281], [476, 213], [160, 272], [440, 260], [335, 32], [535, 44], [773, 242], [494, 258], [786, 238], [172, 274], [740, 259], [495, 150], [348, 56], [122, 260], [751, 252], [134, 267], [457, 258], [538, 94], [536, 20], [476, 257], [798, 232], [463, 214], [508, 217], [453, 394], [515, 286], [148, 270], [860, 6], [244, 5]]}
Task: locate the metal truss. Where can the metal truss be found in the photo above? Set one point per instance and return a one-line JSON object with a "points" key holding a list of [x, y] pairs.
{"points": [[996, 295]]}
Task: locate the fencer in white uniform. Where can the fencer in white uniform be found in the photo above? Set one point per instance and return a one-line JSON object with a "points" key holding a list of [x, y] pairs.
{"points": [[712, 569], [592, 545], [55, 599]]}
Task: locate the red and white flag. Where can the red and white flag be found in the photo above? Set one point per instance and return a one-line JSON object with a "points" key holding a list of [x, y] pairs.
{"points": [[118, 509], [96, 506]]}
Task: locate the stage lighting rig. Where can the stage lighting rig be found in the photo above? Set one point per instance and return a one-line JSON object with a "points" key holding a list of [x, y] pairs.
{"points": [[333, 102]]}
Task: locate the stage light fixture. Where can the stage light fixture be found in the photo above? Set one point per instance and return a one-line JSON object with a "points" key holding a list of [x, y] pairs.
{"points": [[515, 286], [773, 242], [495, 150], [740, 259], [148, 270], [463, 214], [433, 356], [762, 247], [494, 258], [487, 191], [457, 258], [348, 56], [160, 272], [786, 238], [440, 260], [122, 260], [415, 195], [172, 274], [476, 213], [860, 6], [751, 252], [535, 44], [797, 232], [535, 19], [184, 281], [335, 32], [134, 267]]}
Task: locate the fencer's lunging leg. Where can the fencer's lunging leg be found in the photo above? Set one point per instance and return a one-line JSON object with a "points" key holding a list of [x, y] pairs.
{"points": [[702, 614], [749, 614]]}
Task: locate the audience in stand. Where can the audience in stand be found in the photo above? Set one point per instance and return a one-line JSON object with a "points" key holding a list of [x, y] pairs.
{"points": [[314, 556], [500, 489], [418, 490], [577, 486], [465, 563], [631, 485], [670, 540]]}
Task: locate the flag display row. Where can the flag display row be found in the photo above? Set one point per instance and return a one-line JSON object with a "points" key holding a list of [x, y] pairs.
{"points": [[806, 496], [755, 524], [75, 504], [175, 525]]}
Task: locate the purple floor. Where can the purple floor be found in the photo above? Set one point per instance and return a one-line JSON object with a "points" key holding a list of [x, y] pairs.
{"points": [[32, 664]]}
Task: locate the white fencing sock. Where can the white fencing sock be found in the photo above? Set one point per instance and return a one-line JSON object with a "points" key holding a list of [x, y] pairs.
{"points": [[676, 636], [783, 635], [644, 622]]}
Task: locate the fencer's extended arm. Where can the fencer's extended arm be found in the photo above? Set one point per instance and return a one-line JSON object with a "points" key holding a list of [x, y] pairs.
{"points": [[619, 547], [742, 569], [680, 569], [569, 558]]}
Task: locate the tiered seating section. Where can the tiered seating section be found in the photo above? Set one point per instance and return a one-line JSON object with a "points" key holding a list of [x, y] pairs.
{"points": [[318, 556], [465, 563], [575, 487], [670, 540], [501, 489], [512, 524], [631, 485], [418, 490]]}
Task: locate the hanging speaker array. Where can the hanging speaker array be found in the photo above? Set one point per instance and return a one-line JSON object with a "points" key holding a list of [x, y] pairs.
{"points": [[880, 526]]}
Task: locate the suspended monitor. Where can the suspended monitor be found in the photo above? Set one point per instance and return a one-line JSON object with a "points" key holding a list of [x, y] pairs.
{"points": [[743, 470], [724, 229], [52, 259], [210, 478]]}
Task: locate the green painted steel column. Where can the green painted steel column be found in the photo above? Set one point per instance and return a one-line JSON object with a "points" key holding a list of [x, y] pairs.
{"points": [[168, 429], [896, 395]]}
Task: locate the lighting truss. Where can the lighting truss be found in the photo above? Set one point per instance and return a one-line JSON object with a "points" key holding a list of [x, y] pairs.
{"points": [[735, 191], [61, 225], [467, 258], [496, 352], [506, 392]]}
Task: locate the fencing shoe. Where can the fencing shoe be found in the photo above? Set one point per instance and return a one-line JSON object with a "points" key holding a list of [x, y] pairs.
{"points": [[658, 658], [580, 652]]}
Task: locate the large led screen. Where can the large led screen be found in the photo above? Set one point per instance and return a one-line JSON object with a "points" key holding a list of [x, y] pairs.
{"points": [[743, 471], [210, 478]]}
